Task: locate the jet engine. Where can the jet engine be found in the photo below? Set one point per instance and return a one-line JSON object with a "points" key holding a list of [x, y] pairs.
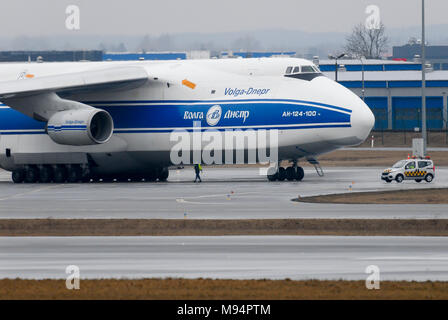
{"points": [[78, 127]]}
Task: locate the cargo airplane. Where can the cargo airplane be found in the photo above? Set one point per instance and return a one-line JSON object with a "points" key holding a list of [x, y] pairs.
{"points": [[101, 121]]}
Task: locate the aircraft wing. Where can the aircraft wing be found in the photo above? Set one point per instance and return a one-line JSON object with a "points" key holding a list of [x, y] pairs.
{"points": [[100, 79]]}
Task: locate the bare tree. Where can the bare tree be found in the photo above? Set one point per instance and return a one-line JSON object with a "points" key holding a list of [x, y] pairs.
{"points": [[369, 43]]}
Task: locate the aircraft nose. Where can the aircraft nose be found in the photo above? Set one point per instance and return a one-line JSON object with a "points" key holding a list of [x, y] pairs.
{"points": [[362, 120]]}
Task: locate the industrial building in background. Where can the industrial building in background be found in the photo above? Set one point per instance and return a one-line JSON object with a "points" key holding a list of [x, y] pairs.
{"points": [[436, 55], [392, 89], [53, 56]]}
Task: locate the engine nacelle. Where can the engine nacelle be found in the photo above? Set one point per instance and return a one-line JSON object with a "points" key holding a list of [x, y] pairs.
{"points": [[80, 127]]}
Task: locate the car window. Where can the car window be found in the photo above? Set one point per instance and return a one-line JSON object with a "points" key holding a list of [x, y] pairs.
{"points": [[399, 164], [410, 165], [422, 164]]}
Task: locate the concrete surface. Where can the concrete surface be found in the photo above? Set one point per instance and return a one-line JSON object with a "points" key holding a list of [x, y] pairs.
{"points": [[225, 193], [236, 257]]}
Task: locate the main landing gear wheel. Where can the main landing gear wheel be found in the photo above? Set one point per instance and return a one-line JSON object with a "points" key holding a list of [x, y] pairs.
{"points": [[163, 174], [45, 174], [31, 174], [74, 174], [60, 174], [151, 176], [18, 175]]}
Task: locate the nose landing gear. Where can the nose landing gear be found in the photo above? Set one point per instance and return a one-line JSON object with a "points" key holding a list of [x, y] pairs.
{"points": [[291, 173]]}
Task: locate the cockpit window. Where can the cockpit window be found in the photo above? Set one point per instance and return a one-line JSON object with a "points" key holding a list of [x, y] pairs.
{"points": [[307, 69], [306, 73]]}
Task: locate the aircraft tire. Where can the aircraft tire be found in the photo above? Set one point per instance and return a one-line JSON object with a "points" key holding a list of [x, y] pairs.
{"points": [[60, 174], [290, 173], [163, 174], [18, 175], [74, 174], [300, 174], [31, 174], [272, 177], [281, 174], [45, 174], [86, 178], [151, 176]]}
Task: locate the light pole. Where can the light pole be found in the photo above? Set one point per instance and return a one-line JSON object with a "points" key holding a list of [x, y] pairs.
{"points": [[330, 56], [363, 86], [424, 133]]}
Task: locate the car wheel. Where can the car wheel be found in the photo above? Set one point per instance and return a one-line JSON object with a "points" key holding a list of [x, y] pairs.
{"points": [[418, 180], [388, 180], [429, 178], [399, 178]]}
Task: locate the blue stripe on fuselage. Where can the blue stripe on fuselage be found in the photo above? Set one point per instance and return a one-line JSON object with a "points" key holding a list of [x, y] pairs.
{"points": [[180, 102], [152, 116]]}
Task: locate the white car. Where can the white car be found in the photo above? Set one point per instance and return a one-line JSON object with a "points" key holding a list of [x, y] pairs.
{"points": [[410, 169]]}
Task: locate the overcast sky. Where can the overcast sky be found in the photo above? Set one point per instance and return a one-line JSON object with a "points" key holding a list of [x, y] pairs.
{"points": [[106, 17]]}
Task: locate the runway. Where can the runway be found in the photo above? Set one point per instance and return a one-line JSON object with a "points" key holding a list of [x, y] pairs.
{"points": [[226, 193], [236, 257]]}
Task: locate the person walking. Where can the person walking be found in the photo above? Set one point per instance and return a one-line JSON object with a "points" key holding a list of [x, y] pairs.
{"points": [[197, 170]]}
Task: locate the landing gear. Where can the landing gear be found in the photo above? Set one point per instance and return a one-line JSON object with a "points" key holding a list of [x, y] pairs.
{"points": [[45, 174], [281, 174], [300, 173], [60, 174], [18, 176], [31, 174], [151, 176], [291, 173], [163, 174], [74, 174]]}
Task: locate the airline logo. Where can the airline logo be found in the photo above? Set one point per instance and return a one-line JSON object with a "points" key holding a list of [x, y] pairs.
{"points": [[213, 115]]}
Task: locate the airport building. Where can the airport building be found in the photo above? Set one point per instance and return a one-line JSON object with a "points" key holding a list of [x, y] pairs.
{"points": [[129, 56], [393, 90], [51, 56], [436, 55], [256, 54]]}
